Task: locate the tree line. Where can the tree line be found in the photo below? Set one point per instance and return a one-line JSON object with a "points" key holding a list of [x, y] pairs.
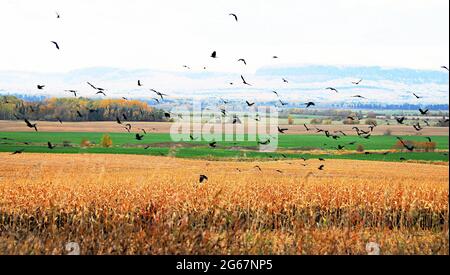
{"points": [[78, 109]]}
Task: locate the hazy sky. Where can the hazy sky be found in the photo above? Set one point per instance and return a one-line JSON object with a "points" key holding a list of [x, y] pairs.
{"points": [[169, 34]]}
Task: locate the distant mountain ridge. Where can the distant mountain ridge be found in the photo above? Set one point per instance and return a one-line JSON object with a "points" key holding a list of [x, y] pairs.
{"points": [[306, 83]]}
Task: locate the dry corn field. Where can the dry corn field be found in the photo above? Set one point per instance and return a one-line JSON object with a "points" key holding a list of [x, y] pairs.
{"points": [[123, 204]]}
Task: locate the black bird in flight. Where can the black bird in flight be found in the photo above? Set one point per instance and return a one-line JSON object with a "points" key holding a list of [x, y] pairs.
{"points": [[100, 92], [124, 116], [357, 82], [72, 91], [187, 67], [423, 112], [332, 89], [409, 147], [281, 130], [275, 92], [402, 159], [426, 122], [321, 159], [40, 87], [146, 147], [202, 178], [417, 127], [79, 114], [155, 99], [139, 137], [428, 138], [118, 120], [213, 144], [20, 151], [59, 119], [245, 82], [96, 88], [214, 54], [306, 127], [444, 67], [359, 96], [128, 127], [166, 115], [257, 167], [400, 119], [50, 145], [344, 134], [192, 137], [30, 125], [309, 104], [243, 60], [57, 15], [321, 167], [283, 103], [279, 171], [236, 120], [158, 93], [264, 142], [352, 143], [139, 83], [235, 16], [285, 80], [249, 104], [416, 96], [143, 130], [56, 44], [340, 147]]}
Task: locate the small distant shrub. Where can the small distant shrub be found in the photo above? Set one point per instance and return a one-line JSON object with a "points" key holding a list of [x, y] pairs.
{"points": [[316, 121], [371, 115], [418, 145], [106, 141], [360, 148], [85, 143], [327, 122], [350, 122], [371, 121], [290, 120]]}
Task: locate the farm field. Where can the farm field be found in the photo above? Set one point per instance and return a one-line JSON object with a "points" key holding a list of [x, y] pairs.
{"points": [[131, 204], [164, 127], [290, 146]]}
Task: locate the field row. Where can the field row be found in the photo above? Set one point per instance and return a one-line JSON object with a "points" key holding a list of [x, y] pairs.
{"points": [[289, 146]]}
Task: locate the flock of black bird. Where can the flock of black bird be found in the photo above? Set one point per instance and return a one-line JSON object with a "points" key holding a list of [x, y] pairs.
{"points": [[160, 97]]}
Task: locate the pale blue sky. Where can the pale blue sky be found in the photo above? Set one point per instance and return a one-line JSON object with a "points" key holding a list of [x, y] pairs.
{"points": [[169, 34]]}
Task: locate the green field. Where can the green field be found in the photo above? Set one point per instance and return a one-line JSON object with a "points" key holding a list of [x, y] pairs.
{"points": [[161, 144]]}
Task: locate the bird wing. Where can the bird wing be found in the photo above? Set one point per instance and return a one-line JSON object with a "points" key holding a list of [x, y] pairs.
{"points": [[92, 85]]}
